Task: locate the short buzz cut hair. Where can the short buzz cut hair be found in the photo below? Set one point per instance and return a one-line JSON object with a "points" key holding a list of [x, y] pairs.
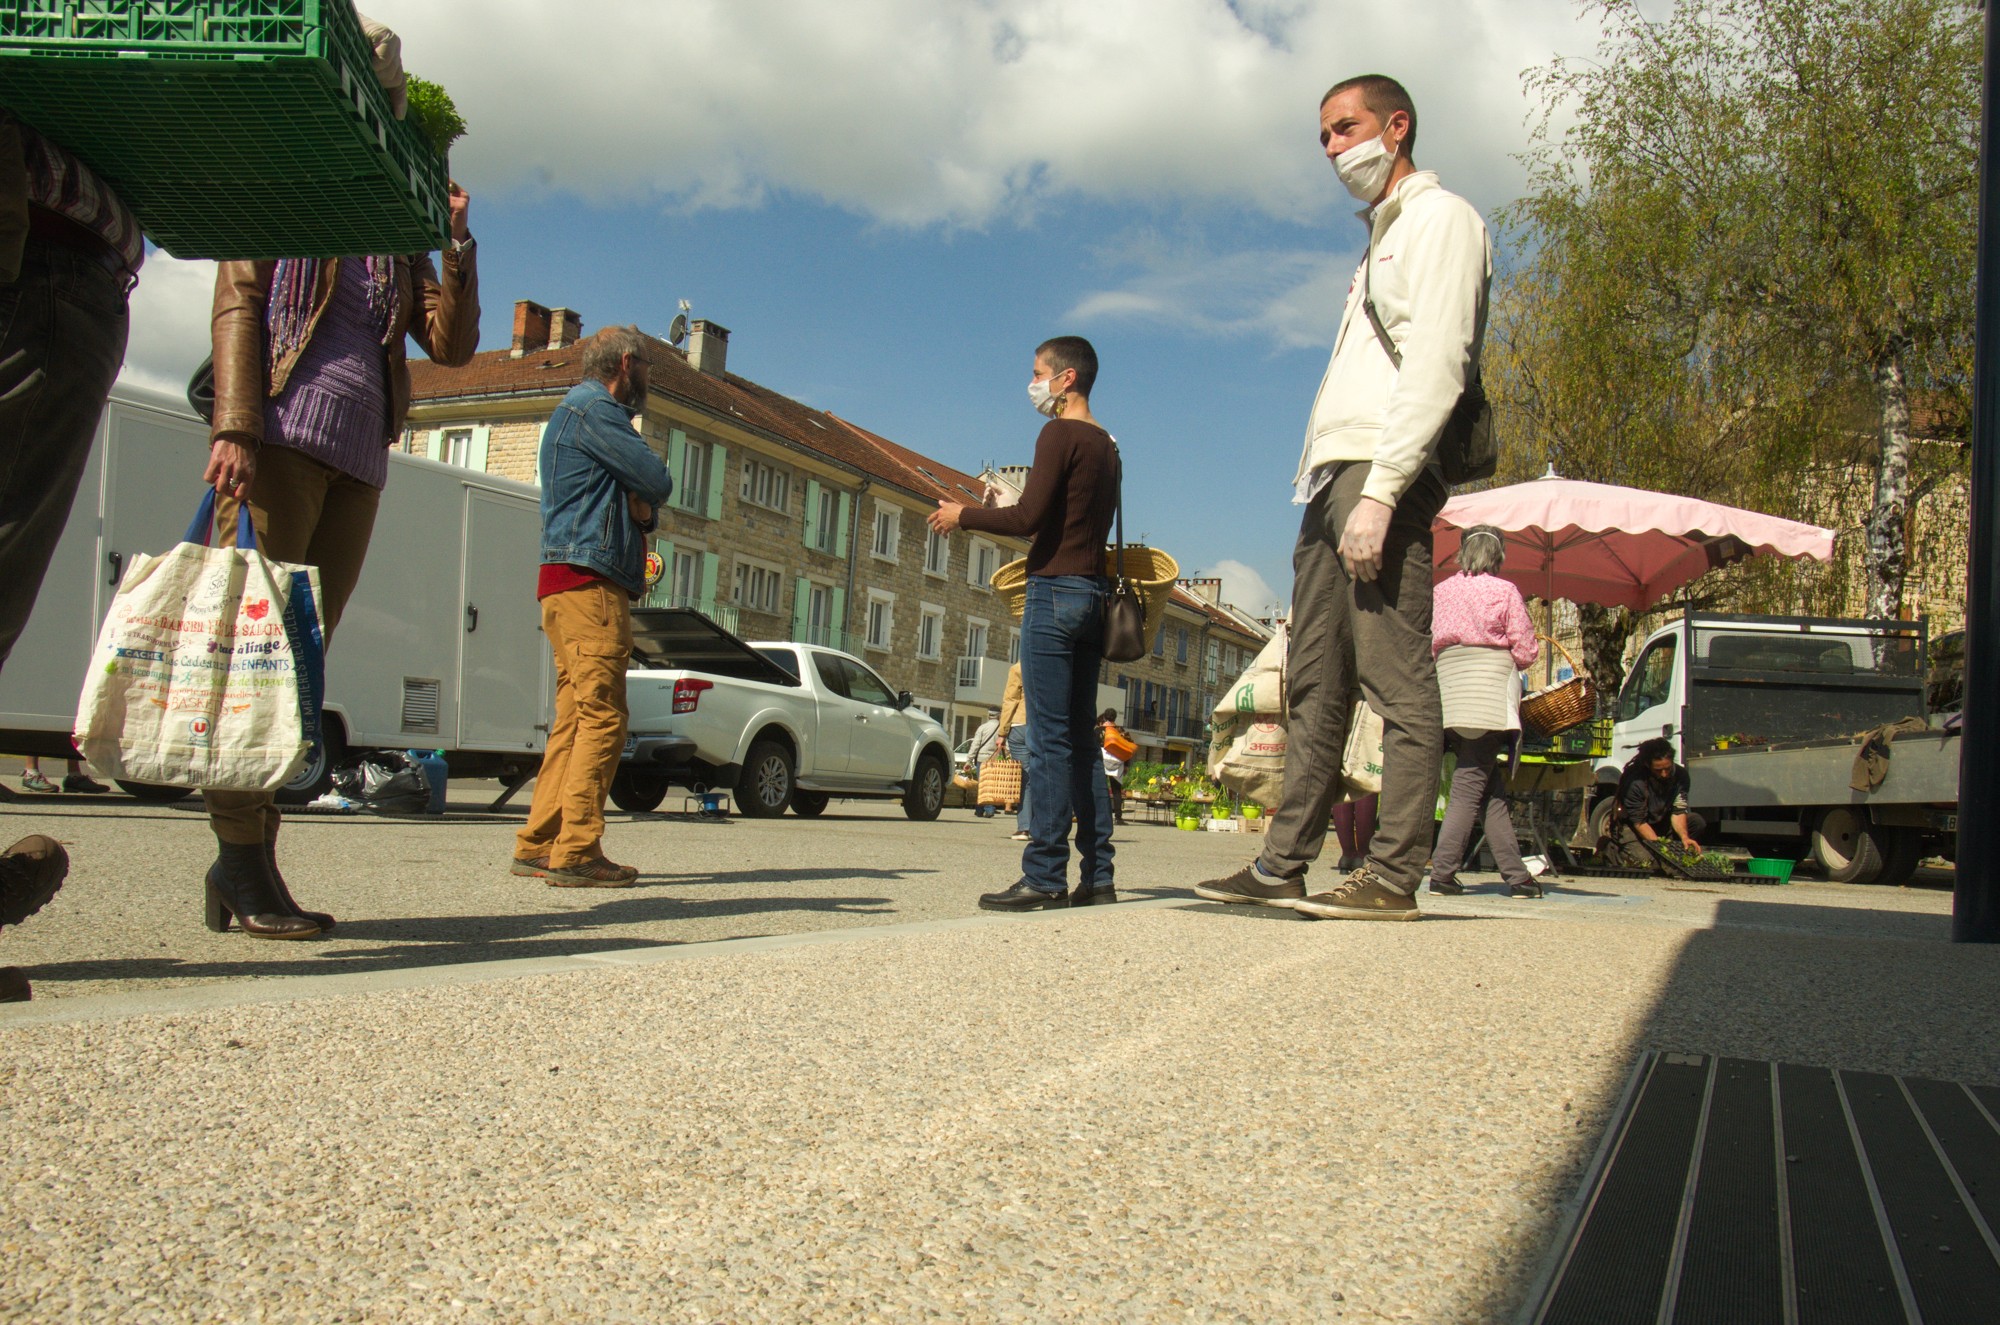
{"points": [[1385, 96], [604, 352], [1072, 352]]}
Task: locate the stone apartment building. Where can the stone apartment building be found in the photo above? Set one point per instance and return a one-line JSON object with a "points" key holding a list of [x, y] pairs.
{"points": [[788, 522]]}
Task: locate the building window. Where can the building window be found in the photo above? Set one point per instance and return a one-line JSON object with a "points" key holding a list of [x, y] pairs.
{"points": [[1013, 645], [757, 587], [765, 485], [975, 638], [981, 563], [888, 532], [881, 618], [1160, 644], [930, 633], [691, 483], [1180, 644], [686, 579], [457, 448], [819, 623], [937, 553]]}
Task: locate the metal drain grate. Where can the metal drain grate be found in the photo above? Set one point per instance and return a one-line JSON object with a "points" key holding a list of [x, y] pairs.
{"points": [[1733, 1190]]}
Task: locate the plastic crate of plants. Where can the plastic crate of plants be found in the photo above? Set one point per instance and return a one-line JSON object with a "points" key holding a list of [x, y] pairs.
{"points": [[233, 128], [1592, 740]]}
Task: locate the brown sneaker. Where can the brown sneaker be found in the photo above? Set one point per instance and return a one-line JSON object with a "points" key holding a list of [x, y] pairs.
{"points": [[1362, 896], [30, 873], [530, 867], [598, 873], [1248, 887]]}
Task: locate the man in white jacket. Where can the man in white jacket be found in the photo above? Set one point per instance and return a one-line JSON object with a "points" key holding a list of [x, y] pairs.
{"points": [[1368, 478]]}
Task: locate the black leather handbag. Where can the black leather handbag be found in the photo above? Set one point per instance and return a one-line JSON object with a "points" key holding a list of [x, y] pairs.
{"points": [[1124, 611]]}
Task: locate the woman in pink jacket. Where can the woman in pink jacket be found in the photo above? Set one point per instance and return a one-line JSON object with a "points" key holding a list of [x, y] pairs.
{"points": [[1482, 637]]}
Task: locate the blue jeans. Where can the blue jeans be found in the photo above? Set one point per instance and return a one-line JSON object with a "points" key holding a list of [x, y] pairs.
{"points": [[1062, 650], [62, 339], [1021, 748]]}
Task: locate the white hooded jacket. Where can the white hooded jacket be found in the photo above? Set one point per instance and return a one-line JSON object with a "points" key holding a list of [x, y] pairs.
{"points": [[1432, 264]]}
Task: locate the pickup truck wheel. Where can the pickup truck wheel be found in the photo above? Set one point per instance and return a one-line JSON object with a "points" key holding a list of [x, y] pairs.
{"points": [[637, 793], [1902, 850], [1847, 846], [809, 804], [926, 794], [765, 788]]}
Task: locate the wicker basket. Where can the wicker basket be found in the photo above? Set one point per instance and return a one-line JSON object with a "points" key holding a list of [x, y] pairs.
{"points": [[1559, 708], [1151, 570], [1000, 783]]}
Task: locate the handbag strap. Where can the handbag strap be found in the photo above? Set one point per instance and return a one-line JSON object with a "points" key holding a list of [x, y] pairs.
{"points": [[1118, 518], [1368, 303], [202, 528]]}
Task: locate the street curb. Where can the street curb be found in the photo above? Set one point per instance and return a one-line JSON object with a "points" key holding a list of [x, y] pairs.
{"points": [[297, 988]]}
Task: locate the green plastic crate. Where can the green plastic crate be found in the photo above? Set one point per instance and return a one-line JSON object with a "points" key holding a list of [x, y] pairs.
{"points": [[233, 128], [1777, 871]]}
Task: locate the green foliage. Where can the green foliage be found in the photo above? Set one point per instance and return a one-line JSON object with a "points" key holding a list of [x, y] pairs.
{"points": [[1747, 247], [432, 111]]}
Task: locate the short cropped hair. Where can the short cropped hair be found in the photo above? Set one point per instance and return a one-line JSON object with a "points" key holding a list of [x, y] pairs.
{"points": [[1482, 550], [604, 352], [1385, 96], [1067, 352]]}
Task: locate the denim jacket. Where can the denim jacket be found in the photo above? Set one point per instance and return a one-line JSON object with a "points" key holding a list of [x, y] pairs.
{"points": [[591, 458]]}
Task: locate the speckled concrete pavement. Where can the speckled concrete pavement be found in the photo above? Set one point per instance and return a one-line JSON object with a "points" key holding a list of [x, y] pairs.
{"points": [[1162, 1111]]}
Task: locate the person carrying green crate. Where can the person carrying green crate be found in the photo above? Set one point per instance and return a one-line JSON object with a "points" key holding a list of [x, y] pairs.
{"points": [[70, 252]]}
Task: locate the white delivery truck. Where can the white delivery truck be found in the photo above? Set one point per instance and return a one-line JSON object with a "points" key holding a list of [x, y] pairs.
{"points": [[440, 647], [1765, 711]]}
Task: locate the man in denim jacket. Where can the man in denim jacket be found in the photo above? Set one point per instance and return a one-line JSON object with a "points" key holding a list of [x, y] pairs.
{"points": [[601, 487]]}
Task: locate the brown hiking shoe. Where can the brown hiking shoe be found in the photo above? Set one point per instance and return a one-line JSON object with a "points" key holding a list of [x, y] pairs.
{"points": [[30, 872], [1363, 896], [530, 867], [598, 873], [1249, 887]]}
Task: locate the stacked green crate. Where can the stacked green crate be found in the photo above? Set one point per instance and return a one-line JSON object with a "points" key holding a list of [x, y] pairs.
{"points": [[233, 128]]}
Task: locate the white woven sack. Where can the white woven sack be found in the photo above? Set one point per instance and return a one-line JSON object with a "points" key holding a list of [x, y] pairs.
{"points": [[1361, 765], [192, 682]]}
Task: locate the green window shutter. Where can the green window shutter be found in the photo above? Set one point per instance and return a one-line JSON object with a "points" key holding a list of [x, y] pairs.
{"points": [[434, 447], [840, 532], [677, 461], [711, 565], [800, 598], [475, 457], [718, 470], [839, 618], [812, 512], [659, 594]]}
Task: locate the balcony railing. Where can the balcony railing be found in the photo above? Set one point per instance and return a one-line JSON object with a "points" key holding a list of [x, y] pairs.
{"points": [[971, 673], [722, 614], [828, 637]]}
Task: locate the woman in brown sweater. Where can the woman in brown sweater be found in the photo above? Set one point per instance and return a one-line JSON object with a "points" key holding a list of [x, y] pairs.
{"points": [[1066, 509]]}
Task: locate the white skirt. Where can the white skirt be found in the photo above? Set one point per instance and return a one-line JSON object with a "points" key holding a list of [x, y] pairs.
{"points": [[1480, 688]]}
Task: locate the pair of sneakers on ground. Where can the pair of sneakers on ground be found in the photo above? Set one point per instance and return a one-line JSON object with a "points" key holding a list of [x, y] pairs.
{"points": [[1362, 895], [76, 783], [597, 872]]}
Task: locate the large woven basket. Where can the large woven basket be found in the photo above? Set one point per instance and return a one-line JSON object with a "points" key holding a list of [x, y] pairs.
{"points": [[1151, 571], [1561, 707], [1000, 782]]}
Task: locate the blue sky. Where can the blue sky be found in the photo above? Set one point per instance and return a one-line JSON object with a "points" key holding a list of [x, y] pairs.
{"points": [[890, 202]]}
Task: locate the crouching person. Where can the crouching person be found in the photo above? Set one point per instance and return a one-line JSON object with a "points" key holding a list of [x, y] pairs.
{"points": [[601, 487]]}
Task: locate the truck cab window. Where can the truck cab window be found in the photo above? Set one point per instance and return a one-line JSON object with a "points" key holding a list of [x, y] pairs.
{"points": [[830, 674], [865, 686], [1652, 681]]}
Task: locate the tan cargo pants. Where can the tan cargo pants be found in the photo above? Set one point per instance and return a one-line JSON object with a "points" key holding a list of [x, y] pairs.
{"points": [[590, 632]]}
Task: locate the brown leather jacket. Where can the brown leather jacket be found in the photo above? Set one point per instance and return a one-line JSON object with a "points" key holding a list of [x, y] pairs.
{"points": [[447, 330]]}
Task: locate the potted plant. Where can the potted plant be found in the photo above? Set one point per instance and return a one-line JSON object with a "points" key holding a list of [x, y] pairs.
{"points": [[1252, 810], [1187, 815]]}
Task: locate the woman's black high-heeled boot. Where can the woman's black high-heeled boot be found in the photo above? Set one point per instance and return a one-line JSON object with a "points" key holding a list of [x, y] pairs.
{"points": [[239, 884], [320, 918]]}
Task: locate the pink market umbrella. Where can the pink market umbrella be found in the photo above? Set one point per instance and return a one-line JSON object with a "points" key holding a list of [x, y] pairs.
{"points": [[1615, 547]]}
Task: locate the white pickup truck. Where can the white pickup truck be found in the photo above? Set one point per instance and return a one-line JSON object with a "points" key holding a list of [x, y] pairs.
{"points": [[777, 723]]}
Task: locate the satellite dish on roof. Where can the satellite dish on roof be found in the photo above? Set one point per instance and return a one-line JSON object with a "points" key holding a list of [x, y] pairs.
{"points": [[678, 332]]}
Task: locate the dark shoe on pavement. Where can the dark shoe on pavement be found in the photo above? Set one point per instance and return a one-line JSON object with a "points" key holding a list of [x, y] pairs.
{"points": [[1022, 897], [1103, 895], [83, 784], [1249, 886], [1362, 896], [14, 985], [1524, 890], [530, 867], [30, 873], [598, 873], [1447, 887]]}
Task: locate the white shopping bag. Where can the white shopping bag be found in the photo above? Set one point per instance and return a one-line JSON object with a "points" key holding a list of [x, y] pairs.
{"points": [[1361, 766], [209, 669]]}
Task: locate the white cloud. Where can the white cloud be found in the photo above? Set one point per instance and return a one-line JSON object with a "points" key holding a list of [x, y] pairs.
{"points": [[1243, 587], [1292, 297], [914, 113], [170, 326]]}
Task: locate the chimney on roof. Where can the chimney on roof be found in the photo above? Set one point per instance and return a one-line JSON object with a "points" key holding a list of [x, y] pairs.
{"points": [[531, 327], [565, 328], [708, 347], [1208, 590]]}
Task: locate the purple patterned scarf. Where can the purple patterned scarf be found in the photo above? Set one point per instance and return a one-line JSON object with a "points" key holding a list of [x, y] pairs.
{"points": [[289, 309]]}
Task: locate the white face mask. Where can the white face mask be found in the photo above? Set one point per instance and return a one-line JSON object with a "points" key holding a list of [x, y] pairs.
{"points": [[1364, 169], [1044, 400]]}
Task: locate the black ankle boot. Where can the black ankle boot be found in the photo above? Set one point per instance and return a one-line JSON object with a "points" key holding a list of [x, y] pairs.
{"points": [[320, 918], [239, 885]]}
